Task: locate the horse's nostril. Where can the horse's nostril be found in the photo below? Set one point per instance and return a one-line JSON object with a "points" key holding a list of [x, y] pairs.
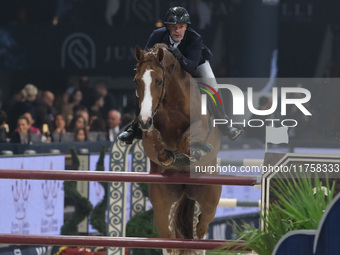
{"points": [[149, 121], [146, 124]]}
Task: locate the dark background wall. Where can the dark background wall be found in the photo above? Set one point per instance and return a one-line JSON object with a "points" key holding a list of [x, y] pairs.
{"points": [[244, 36]]}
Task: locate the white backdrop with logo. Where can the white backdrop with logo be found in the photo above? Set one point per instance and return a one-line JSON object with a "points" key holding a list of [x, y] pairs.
{"points": [[32, 206]]}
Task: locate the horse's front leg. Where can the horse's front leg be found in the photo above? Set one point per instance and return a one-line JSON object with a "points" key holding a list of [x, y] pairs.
{"points": [[192, 142], [164, 157], [193, 134], [184, 143]]}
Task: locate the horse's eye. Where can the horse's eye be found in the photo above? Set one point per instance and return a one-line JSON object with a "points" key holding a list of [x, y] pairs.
{"points": [[159, 82], [137, 94]]}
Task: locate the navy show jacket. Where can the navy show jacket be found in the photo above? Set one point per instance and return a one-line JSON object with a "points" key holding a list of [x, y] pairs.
{"points": [[192, 48]]}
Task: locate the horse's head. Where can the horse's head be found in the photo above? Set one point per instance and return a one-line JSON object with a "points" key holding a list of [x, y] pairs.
{"points": [[150, 82]]}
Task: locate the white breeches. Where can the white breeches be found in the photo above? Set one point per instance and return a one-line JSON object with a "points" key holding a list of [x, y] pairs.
{"points": [[206, 74]]}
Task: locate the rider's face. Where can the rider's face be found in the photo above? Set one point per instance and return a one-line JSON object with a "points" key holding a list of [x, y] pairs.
{"points": [[177, 31]]}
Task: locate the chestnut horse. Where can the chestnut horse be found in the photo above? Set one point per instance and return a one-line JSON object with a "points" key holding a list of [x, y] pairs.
{"points": [[176, 138]]}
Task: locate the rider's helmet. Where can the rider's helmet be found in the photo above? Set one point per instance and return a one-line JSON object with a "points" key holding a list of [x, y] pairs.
{"points": [[177, 15]]}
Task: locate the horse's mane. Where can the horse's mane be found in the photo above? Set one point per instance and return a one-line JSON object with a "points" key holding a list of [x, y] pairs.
{"points": [[169, 58], [151, 55], [158, 46]]}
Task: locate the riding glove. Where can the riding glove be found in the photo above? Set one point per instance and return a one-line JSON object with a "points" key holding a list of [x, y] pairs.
{"points": [[176, 52]]}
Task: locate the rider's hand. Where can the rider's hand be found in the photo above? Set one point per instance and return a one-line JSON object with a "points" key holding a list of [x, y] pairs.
{"points": [[176, 52]]}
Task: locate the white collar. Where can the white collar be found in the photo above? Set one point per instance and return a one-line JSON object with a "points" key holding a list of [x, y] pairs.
{"points": [[175, 44]]}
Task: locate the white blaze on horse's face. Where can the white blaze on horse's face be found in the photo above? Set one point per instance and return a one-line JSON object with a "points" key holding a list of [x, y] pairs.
{"points": [[146, 105]]}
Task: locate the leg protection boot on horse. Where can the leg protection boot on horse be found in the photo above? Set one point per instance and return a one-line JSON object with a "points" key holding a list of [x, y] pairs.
{"points": [[132, 131], [233, 132]]}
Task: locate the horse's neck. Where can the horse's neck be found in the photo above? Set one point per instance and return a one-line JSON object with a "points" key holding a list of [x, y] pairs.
{"points": [[178, 80], [178, 92]]}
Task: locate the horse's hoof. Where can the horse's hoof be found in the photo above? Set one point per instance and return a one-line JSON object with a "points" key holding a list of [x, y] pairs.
{"points": [[201, 232], [169, 161], [167, 251]]}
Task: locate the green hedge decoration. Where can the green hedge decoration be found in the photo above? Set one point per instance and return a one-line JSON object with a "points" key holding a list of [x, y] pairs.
{"points": [[97, 217], [83, 206], [141, 225]]}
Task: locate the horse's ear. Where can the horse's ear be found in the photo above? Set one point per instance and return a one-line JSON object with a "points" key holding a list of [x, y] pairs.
{"points": [[160, 55], [138, 53]]}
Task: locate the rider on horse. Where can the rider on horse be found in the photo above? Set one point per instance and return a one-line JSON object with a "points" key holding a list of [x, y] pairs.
{"points": [[187, 46]]}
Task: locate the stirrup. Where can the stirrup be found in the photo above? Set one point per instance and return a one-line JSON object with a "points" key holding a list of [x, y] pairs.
{"points": [[234, 132]]}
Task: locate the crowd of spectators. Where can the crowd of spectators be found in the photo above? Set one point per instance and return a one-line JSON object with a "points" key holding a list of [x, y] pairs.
{"points": [[37, 116], [92, 113]]}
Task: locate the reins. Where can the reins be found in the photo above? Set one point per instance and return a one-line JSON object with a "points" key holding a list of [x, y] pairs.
{"points": [[164, 87]]}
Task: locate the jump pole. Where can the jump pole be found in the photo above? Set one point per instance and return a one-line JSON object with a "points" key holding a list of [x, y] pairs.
{"points": [[234, 202], [173, 178], [127, 242]]}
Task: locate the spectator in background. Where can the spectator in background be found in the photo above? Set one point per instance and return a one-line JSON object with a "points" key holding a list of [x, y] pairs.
{"points": [[97, 104], [97, 130], [22, 134], [92, 117], [33, 129], [14, 99], [35, 134], [76, 123], [80, 135], [3, 127], [59, 128], [81, 110], [113, 124], [83, 83], [110, 103], [126, 119], [98, 125], [69, 102], [44, 109], [31, 122], [29, 94]]}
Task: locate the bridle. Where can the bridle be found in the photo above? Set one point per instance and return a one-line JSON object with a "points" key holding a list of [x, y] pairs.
{"points": [[164, 87]]}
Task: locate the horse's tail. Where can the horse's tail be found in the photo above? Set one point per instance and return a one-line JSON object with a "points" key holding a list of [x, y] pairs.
{"points": [[184, 218]]}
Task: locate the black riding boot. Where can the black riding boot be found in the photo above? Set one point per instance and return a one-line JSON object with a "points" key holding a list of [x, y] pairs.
{"points": [[131, 132], [233, 132]]}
